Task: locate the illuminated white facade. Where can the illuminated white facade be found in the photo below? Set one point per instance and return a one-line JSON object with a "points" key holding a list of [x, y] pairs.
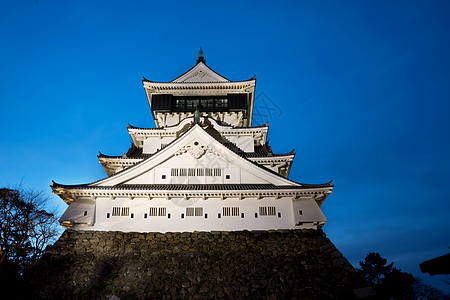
{"points": [[203, 168]]}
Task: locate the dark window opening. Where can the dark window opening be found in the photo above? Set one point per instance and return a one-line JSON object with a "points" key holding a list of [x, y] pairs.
{"points": [[145, 216], [168, 216], [242, 215], [132, 215], [256, 215], [279, 215], [107, 215], [170, 103], [206, 216], [163, 176], [300, 212], [227, 176], [85, 212], [219, 215], [202, 103], [182, 216]]}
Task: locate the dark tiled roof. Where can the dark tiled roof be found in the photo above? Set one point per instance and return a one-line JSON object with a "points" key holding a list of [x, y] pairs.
{"points": [[192, 117], [133, 152], [142, 128], [195, 187], [204, 62], [192, 125]]}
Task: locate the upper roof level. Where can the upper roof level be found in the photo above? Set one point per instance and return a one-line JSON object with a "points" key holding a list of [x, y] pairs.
{"points": [[202, 89]]}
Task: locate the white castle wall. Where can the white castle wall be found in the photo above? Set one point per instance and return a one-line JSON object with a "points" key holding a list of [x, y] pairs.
{"points": [[175, 218]]}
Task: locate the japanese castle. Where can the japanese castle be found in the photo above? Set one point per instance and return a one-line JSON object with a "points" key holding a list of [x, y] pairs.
{"points": [[204, 167]]}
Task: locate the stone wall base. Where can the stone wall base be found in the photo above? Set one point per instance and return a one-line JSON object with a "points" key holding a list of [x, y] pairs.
{"points": [[280, 264]]}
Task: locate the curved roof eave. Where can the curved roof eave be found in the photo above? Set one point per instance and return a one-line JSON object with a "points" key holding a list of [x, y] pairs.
{"points": [[55, 185]]}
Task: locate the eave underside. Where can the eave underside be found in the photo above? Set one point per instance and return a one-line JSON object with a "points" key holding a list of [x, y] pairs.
{"points": [[70, 192]]}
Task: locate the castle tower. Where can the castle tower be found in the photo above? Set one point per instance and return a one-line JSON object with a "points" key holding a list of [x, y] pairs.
{"points": [[202, 168]]}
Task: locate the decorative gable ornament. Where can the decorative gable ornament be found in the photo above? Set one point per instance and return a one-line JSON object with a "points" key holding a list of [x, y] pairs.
{"points": [[196, 149]]}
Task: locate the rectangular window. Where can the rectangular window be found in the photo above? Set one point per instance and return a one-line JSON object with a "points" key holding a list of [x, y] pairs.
{"points": [[231, 211], [157, 212], [267, 211], [271, 211], [125, 211], [179, 171], [180, 104], [120, 211], [162, 211], [194, 211], [213, 172], [116, 211], [204, 103], [153, 212], [199, 172]]}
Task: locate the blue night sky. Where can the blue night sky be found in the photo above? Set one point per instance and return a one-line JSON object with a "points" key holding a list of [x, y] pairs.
{"points": [[360, 90]]}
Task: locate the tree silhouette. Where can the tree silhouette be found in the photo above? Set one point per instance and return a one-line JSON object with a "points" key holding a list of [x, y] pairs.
{"points": [[392, 283], [374, 268], [26, 228]]}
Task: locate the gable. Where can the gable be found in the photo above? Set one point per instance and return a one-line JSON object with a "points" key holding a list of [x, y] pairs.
{"points": [[200, 73], [195, 158]]}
